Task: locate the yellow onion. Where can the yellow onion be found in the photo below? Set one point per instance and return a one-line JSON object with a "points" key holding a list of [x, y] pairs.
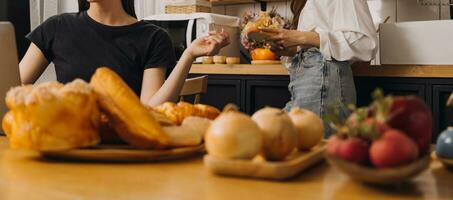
{"points": [[233, 135], [279, 133], [310, 128]]}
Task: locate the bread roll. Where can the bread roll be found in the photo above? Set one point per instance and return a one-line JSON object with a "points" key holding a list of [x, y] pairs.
{"points": [[182, 137], [198, 124], [52, 116], [130, 118]]}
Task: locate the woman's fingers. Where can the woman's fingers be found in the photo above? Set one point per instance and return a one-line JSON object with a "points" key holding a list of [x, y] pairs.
{"points": [[270, 30], [219, 39]]}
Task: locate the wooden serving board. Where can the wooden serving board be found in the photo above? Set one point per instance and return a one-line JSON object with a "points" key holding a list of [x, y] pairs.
{"points": [[261, 169], [122, 153]]}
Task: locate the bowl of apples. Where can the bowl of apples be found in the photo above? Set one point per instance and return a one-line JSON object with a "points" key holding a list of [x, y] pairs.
{"points": [[387, 142]]}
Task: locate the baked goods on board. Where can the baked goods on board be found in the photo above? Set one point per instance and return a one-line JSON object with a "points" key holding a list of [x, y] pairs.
{"points": [[53, 117]]}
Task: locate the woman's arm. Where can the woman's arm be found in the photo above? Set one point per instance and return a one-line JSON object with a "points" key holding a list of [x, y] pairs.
{"points": [[351, 35], [32, 65], [156, 90], [292, 38]]}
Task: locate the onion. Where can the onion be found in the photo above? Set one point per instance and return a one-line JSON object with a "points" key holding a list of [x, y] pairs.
{"points": [[279, 133], [309, 126], [233, 135]]}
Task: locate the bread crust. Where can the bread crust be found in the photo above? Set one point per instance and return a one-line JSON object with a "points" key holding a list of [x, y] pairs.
{"points": [[130, 118], [178, 112], [39, 115]]}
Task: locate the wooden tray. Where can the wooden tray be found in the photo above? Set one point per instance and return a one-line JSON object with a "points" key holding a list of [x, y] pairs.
{"points": [[263, 169], [380, 176], [122, 153]]}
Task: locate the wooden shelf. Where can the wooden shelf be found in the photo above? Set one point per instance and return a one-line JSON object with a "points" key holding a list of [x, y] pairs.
{"points": [[360, 70], [233, 2]]}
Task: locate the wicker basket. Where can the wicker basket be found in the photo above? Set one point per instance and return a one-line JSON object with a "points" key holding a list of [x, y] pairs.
{"points": [[172, 9]]}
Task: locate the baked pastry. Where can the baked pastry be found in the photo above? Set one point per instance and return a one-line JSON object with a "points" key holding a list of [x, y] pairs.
{"points": [[161, 117], [178, 112], [107, 132], [52, 116], [130, 118], [206, 111], [182, 137], [198, 124]]}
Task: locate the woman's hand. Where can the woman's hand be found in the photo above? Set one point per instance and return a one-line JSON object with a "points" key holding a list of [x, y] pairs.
{"points": [[291, 38], [209, 45]]}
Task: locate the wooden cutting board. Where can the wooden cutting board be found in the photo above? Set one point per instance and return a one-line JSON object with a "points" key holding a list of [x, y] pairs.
{"points": [[122, 153], [262, 169]]}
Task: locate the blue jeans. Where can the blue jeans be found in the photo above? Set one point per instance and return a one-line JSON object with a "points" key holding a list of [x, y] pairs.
{"points": [[317, 83]]}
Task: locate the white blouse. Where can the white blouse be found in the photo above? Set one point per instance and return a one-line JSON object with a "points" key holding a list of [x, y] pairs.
{"points": [[345, 27]]}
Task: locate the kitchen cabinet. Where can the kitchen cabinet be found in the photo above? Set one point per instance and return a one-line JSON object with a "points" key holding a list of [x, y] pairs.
{"points": [[252, 92], [266, 93], [249, 93], [392, 86], [222, 92], [443, 116]]}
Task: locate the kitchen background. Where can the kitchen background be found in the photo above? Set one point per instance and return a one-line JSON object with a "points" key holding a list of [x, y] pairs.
{"points": [[398, 10]]}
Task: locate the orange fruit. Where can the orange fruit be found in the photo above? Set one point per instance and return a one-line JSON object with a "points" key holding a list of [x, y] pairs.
{"points": [[263, 54]]}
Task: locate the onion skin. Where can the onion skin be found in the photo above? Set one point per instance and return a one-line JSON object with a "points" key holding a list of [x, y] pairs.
{"points": [[309, 126], [233, 135], [279, 133]]}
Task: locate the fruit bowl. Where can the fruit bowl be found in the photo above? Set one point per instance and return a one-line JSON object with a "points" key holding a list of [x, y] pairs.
{"points": [[381, 176]]}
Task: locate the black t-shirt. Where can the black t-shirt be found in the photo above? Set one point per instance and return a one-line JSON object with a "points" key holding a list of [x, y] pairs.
{"points": [[78, 45]]}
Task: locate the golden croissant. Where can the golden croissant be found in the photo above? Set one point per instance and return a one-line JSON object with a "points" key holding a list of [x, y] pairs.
{"points": [[178, 112]]}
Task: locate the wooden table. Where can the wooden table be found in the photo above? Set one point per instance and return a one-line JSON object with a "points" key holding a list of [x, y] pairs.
{"points": [[23, 175]]}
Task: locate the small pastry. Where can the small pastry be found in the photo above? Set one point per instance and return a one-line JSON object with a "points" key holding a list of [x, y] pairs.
{"points": [[219, 59], [207, 60], [233, 60]]}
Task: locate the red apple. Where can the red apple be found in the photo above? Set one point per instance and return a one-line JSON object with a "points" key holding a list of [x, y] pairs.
{"points": [[333, 144], [354, 150], [393, 148], [411, 115]]}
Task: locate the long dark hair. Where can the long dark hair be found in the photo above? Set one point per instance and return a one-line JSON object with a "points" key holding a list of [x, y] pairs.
{"points": [[296, 7], [128, 6]]}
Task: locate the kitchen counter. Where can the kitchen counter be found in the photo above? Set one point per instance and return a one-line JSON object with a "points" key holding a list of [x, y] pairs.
{"points": [[360, 70], [23, 175]]}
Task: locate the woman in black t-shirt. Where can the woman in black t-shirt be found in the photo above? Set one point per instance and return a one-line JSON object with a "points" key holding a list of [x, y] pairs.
{"points": [[107, 33]]}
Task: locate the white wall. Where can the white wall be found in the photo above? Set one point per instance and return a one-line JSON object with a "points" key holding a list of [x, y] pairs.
{"points": [[398, 10]]}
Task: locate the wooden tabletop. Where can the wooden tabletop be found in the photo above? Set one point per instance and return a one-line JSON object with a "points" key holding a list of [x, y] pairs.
{"points": [[23, 175], [360, 70]]}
